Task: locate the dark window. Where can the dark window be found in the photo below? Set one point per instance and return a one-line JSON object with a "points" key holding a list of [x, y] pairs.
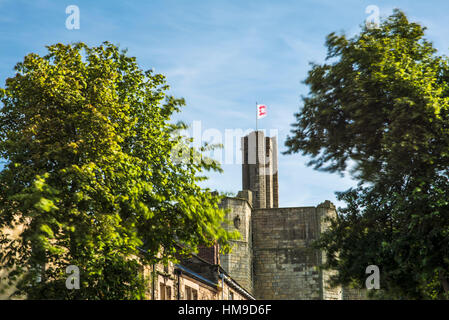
{"points": [[168, 296], [162, 291], [191, 294], [237, 222], [188, 293]]}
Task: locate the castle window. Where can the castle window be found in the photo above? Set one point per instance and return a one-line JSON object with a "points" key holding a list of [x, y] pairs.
{"points": [[237, 222]]}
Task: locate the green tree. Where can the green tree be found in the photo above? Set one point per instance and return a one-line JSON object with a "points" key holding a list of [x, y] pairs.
{"points": [[378, 107], [95, 173]]}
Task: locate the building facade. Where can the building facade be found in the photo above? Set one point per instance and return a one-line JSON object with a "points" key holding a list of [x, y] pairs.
{"points": [[193, 278]]}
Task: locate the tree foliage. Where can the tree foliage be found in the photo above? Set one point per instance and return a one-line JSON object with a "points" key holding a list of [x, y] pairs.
{"points": [[92, 177], [379, 106]]}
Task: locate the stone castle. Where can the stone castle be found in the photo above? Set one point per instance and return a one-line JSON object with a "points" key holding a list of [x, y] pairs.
{"points": [[274, 258]]}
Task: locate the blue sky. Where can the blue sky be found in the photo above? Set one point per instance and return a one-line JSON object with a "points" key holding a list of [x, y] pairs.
{"points": [[222, 57]]}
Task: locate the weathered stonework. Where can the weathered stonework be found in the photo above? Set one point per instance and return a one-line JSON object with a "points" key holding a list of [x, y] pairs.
{"points": [[325, 210], [259, 169], [285, 265], [239, 263]]}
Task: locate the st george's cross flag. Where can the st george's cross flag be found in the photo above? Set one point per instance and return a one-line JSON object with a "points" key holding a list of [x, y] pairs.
{"points": [[261, 111]]}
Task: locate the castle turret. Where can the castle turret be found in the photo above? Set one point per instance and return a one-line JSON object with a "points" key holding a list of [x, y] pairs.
{"points": [[260, 169]]}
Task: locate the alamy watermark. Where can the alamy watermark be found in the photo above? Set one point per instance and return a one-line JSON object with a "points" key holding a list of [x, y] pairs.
{"points": [[373, 281], [73, 280], [231, 146], [373, 20], [73, 20]]}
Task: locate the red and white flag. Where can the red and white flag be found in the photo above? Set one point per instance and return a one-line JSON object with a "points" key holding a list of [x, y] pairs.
{"points": [[261, 111]]}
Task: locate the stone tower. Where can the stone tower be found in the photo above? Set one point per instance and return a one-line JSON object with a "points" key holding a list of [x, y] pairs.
{"points": [[259, 190], [260, 169]]}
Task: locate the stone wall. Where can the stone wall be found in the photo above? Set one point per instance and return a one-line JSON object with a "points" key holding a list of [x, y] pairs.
{"points": [[238, 263], [327, 209], [253, 167], [259, 169], [274, 170], [355, 294], [285, 265]]}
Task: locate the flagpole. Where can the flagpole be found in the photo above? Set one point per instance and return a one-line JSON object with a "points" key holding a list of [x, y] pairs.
{"points": [[257, 142], [256, 115]]}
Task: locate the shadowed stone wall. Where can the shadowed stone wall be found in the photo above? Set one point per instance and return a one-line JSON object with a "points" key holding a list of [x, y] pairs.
{"points": [[285, 265], [238, 264], [259, 169]]}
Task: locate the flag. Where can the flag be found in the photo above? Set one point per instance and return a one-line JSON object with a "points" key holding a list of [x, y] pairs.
{"points": [[261, 111]]}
